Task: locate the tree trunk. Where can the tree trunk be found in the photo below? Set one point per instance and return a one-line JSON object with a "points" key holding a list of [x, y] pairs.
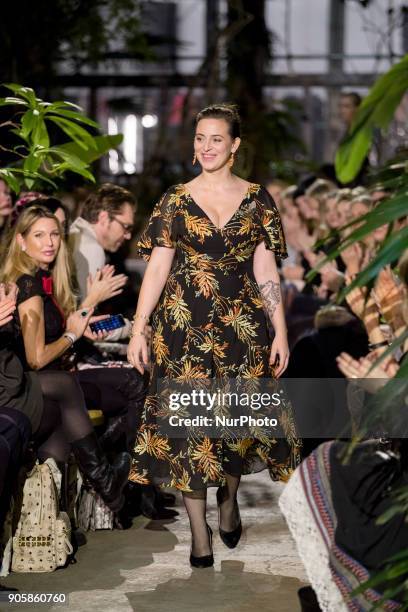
{"points": [[248, 56]]}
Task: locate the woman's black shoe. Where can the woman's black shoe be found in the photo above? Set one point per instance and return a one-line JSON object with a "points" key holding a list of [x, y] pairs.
{"points": [[230, 538], [206, 560]]}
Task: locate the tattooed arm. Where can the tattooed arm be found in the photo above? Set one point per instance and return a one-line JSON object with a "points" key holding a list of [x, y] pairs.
{"points": [[267, 276]]}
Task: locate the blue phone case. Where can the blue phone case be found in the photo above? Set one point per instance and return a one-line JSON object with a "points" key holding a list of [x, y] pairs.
{"points": [[114, 322]]}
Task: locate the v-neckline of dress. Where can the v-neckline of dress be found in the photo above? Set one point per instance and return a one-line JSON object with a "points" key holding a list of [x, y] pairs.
{"points": [[220, 229]]}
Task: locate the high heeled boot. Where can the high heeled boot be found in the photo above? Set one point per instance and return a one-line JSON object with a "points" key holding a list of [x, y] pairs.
{"points": [[107, 479]]}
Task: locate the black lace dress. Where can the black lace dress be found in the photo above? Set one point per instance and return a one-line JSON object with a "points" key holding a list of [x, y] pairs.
{"points": [[40, 284], [117, 391]]}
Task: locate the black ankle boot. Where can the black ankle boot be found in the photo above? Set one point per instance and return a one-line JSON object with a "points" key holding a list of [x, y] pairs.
{"points": [[230, 538], [107, 480]]}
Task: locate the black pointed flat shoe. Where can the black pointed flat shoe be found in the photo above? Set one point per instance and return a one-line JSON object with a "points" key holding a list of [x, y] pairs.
{"points": [[206, 560], [230, 538]]}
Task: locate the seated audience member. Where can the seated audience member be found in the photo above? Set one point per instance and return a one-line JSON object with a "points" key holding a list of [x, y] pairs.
{"points": [[15, 425], [104, 284], [53, 404], [336, 498], [48, 327], [106, 221], [276, 187], [319, 403], [48, 323]]}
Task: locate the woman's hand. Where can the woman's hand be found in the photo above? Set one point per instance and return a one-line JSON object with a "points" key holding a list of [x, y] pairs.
{"points": [[8, 297], [369, 378], [279, 356], [137, 353], [78, 321], [363, 307], [97, 336], [104, 285], [389, 296], [352, 258]]}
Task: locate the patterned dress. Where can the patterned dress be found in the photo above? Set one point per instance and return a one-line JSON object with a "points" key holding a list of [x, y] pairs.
{"points": [[210, 324]]}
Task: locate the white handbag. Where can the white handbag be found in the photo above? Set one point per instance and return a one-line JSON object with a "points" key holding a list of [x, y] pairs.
{"points": [[93, 513], [42, 541]]}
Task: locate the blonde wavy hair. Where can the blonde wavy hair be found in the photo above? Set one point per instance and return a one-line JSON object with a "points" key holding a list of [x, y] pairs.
{"points": [[17, 262]]}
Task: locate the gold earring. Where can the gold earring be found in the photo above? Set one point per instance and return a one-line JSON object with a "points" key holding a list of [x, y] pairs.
{"points": [[231, 160], [194, 159]]}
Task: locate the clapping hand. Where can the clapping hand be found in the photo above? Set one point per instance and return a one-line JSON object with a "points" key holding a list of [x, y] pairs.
{"points": [[8, 297], [389, 297], [369, 378], [363, 307], [104, 285], [352, 257]]}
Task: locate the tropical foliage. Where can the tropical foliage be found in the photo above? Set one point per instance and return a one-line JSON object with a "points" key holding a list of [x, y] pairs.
{"points": [[376, 111], [35, 160]]}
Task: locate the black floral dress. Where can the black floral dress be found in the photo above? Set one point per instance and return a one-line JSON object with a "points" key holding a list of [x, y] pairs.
{"points": [[210, 324]]}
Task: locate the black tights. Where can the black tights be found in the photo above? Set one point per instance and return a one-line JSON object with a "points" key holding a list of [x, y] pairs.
{"points": [[65, 417], [196, 506], [67, 398]]}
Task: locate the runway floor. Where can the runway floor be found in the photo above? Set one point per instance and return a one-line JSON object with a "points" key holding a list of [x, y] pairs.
{"points": [[146, 568]]}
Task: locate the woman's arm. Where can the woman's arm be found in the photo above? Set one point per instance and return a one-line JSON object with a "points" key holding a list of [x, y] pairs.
{"points": [[267, 276], [38, 354], [154, 280]]}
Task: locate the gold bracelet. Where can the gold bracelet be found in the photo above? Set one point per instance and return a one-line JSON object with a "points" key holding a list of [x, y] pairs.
{"points": [[140, 316], [136, 333]]}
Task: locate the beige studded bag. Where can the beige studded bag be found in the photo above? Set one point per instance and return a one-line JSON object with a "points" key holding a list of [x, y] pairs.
{"points": [[42, 539]]}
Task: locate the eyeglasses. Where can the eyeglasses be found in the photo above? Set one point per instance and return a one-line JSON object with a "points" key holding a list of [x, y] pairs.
{"points": [[127, 228]]}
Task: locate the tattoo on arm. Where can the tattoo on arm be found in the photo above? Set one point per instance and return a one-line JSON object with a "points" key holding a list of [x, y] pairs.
{"points": [[271, 295]]}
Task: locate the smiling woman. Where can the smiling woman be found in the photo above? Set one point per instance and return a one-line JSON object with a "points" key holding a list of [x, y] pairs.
{"points": [[211, 278]]}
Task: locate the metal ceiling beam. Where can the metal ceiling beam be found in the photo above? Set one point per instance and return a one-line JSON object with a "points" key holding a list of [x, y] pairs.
{"points": [[188, 80]]}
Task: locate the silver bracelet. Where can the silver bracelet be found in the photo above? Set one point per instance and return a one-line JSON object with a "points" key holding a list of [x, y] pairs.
{"points": [[70, 336]]}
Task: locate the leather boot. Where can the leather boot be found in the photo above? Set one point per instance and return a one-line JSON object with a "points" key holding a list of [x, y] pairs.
{"points": [[115, 430], [107, 480]]}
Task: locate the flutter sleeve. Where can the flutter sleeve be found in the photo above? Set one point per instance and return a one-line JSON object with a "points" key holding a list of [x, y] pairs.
{"points": [[160, 230], [28, 287], [269, 224]]}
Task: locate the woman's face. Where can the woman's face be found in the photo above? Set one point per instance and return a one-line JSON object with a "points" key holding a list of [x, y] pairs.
{"points": [[308, 206], [42, 241], [343, 212], [213, 144], [358, 209], [380, 233], [331, 215]]}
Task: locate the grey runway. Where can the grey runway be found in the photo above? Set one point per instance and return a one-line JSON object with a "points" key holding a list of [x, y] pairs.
{"points": [[146, 569]]}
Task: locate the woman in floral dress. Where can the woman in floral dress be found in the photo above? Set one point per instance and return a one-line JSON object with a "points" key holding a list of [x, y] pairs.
{"points": [[210, 284]]}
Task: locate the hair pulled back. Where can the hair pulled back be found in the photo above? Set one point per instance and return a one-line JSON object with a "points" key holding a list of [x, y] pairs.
{"points": [[228, 112]]}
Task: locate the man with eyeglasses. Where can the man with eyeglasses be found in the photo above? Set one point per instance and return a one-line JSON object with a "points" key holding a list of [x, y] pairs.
{"points": [[106, 221]]}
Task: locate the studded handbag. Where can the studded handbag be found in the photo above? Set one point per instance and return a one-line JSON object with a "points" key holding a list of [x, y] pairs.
{"points": [[42, 539]]}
